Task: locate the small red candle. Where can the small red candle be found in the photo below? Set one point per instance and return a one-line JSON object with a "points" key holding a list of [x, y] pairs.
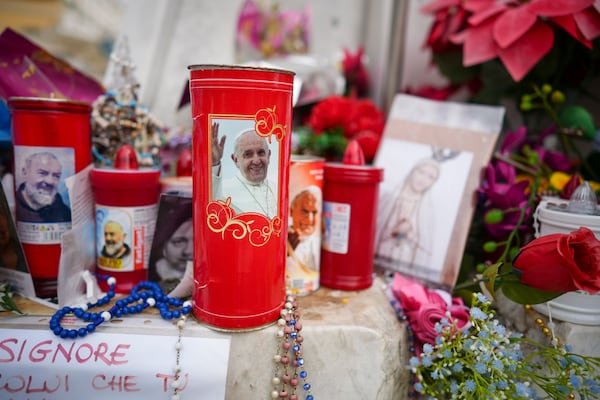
{"points": [[126, 209], [350, 201]]}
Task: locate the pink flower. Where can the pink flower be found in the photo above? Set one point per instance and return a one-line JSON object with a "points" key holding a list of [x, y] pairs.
{"points": [[425, 307], [450, 17], [521, 33], [434, 93]]}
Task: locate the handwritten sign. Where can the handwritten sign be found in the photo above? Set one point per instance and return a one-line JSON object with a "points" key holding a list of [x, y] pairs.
{"points": [[36, 365]]}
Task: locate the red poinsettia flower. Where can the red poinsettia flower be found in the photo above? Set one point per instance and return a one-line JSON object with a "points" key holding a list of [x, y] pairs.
{"points": [[561, 262], [355, 73], [520, 33], [580, 18], [434, 93], [449, 18]]}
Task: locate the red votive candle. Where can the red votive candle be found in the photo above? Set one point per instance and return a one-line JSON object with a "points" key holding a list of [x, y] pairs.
{"points": [[350, 200], [126, 209], [241, 146], [51, 141]]}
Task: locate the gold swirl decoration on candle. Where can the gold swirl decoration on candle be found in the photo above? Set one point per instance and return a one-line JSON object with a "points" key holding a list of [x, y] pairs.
{"points": [[266, 124], [254, 227]]}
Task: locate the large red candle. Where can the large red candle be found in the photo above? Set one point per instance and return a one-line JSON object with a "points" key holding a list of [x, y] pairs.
{"points": [[241, 150], [51, 141]]}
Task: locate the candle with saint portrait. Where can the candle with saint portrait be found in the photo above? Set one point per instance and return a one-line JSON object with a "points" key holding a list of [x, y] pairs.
{"points": [[51, 141]]}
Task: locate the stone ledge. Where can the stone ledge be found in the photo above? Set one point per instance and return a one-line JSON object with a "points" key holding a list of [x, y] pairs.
{"points": [[355, 348]]}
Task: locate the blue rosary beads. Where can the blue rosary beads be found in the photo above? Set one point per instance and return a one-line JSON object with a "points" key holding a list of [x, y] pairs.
{"points": [[143, 295]]}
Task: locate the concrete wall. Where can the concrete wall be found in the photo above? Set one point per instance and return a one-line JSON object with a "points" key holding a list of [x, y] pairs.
{"points": [[166, 36]]}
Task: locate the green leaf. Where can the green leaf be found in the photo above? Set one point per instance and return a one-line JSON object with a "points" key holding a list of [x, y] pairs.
{"points": [[491, 273], [465, 294], [7, 302], [576, 117], [593, 162], [322, 143], [497, 84], [451, 66], [523, 294], [338, 143], [546, 69]]}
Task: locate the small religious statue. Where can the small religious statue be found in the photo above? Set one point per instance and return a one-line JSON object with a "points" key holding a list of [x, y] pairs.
{"points": [[118, 117]]}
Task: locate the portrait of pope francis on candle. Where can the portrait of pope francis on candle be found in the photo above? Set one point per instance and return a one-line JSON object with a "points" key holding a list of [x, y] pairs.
{"points": [[242, 169]]}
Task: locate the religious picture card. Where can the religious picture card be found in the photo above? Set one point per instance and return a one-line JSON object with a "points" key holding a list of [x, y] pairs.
{"points": [[433, 154], [13, 264], [172, 246]]}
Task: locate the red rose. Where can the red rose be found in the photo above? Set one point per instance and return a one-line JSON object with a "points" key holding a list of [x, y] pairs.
{"points": [[352, 118], [365, 116], [331, 113], [349, 114], [561, 262]]}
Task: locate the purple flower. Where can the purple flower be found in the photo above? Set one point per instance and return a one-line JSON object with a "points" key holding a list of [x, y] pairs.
{"points": [[555, 160], [503, 192], [513, 141]]}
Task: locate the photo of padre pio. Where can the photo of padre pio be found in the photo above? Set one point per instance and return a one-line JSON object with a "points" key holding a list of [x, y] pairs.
{"points": [[40, 194]]}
